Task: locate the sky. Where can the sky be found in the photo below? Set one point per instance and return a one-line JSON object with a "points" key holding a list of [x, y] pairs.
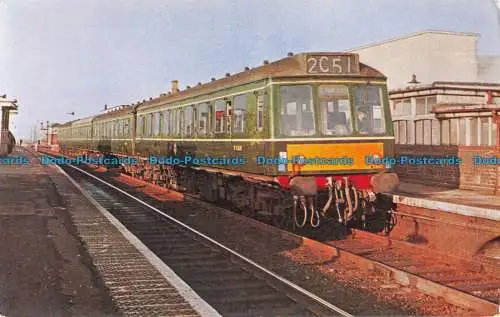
{"points": [[60, 56]]}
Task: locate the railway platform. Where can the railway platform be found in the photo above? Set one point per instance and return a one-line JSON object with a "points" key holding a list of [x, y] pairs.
{"points": [[60, 255], [458, 201], [435, 216]]}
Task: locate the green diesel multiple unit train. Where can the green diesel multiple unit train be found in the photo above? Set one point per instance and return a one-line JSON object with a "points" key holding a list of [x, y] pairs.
{"points": [[294, 140]]}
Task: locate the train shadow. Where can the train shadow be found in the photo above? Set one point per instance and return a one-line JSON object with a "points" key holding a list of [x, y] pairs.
{"points": [[237, 231]]}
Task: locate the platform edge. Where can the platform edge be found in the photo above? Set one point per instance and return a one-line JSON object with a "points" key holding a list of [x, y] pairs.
{"points": [[197, 303]]}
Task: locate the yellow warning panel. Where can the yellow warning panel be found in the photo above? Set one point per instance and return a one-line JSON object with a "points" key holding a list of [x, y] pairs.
{"points": [[328, 157]]}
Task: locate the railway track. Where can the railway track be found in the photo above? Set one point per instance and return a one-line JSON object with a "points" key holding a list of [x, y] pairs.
{"points": [[467, 276], [231, 283], [458, 281]]}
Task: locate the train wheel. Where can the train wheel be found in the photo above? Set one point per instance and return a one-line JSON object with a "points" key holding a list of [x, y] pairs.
{"points": [[390, 222], [277, 214], [287, 218]]}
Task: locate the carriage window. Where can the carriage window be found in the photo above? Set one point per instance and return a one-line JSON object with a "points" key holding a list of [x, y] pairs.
{"points": [[370, 116], [156, 123], [240, 108], [173, 122], [335, 109], [178, 118], [143, 126], [188, 120], [220, 109], [127, 127], [181, 122], [171, 119], [297, 115], [166, 123], [109, 129], [150, 124], [260, 112], [203, 118]]}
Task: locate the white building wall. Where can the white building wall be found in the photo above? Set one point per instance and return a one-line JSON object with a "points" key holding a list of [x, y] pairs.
{"points": [[489, 69], [431, 56], [449, 99]]}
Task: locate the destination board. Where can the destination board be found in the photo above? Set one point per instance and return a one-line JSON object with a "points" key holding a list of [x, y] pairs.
{"points": [[333, 64]]}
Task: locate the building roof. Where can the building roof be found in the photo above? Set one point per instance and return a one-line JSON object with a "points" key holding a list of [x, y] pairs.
{"points": [[6, 103], [416, 34], [461, 108], [475, 86]]}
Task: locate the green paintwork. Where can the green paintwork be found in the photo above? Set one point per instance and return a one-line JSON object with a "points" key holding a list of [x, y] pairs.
{"points": [[162, 145]]}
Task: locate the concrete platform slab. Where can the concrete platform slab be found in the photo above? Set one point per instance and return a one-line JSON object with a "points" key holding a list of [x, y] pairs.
{"points": [[51, 259], [43, 270], [463, 202]]}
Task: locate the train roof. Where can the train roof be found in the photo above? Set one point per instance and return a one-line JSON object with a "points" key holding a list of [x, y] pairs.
{"points": [[115, 112], [83, 121], [291, 66], [67, 124]]}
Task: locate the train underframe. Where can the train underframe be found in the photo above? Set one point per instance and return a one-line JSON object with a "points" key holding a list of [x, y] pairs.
{"points": [[300, 203]]}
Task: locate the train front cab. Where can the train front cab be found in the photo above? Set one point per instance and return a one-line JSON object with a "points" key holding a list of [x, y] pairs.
{"points": [[333, 138]]}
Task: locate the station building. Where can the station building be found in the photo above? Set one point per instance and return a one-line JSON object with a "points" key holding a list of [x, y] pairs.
{"points": [[449, 119], [445, 102], [431, 56], [52, 140], [7, 107]]}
